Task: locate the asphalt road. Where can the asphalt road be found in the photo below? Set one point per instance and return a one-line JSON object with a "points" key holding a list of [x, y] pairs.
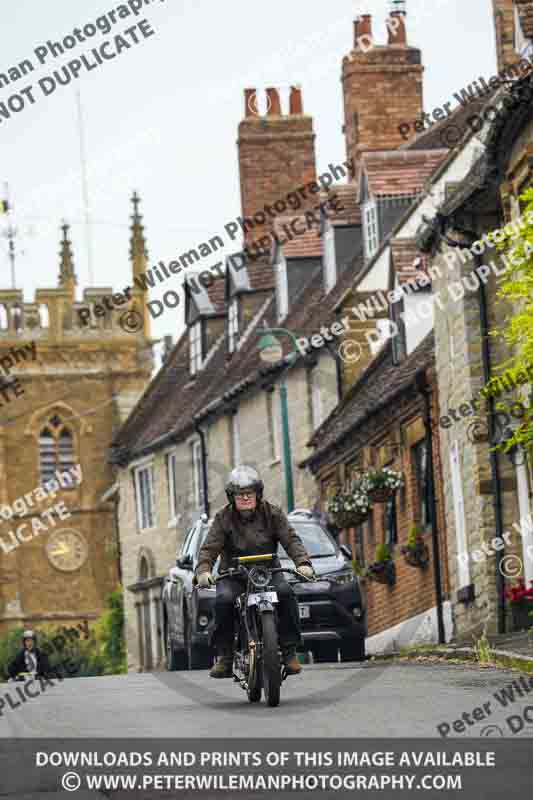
{"points": [[328, 700]]}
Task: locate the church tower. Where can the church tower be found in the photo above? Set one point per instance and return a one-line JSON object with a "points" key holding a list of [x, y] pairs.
{"points": [[70, 373]]}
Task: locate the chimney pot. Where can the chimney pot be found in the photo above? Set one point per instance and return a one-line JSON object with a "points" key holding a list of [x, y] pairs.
{"points": [[295, 101], [363, 27], [250, 103], [273, 103], [396, 28]]}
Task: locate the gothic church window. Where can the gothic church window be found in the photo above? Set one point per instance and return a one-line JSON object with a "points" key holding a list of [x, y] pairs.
{"points": [[56, 448]]}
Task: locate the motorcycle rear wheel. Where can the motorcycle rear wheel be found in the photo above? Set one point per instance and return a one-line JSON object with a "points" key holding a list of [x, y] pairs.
{"points": [[271, 665]]}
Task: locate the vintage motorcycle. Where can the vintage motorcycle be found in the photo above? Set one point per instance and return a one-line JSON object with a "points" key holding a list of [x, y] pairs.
{"points": [[257, 662]]}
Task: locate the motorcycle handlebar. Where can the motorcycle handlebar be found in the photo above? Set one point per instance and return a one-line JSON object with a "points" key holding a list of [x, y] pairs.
{"points": [[242, 571]]}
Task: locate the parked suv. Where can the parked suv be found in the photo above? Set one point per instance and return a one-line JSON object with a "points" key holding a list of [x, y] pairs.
{"points": [[331, 609]]}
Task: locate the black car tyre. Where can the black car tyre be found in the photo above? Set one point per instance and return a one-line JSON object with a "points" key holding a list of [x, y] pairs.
{"points": [[176, 659], [353, 650], [197, 657], [271, 665], [325, 651]]}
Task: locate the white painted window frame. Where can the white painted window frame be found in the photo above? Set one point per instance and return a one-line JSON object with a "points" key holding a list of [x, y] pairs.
{"points": [[171, 458], [197, 476], [195, 347], [145, 513], [330, 266], [233, 325], [463, 564], [370, 213], [282, 289], [235, 439]]}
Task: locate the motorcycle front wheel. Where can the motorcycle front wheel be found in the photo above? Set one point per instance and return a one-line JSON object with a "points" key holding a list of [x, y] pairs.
{"points": [[253, 678], [271, 666]]}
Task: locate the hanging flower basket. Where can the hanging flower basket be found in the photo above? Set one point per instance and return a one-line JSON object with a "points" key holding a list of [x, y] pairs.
{"points": [[349, 519], [417, 556], [349, 509], [382, 572], [382, 484]]}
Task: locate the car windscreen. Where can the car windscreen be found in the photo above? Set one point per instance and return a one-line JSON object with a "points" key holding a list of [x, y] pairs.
{"points": [[199, 542], [314, 538]]}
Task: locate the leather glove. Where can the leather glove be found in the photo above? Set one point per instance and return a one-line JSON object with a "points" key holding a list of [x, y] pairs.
{"points": [[205, 580], [306, 570]]}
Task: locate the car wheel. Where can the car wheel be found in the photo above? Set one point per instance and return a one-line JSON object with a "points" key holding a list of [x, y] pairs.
{"points": [[353, 649], [197, 657], [176, 659], [325, 651]]}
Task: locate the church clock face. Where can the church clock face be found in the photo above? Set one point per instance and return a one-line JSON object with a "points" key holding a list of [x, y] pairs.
{"points": [[67, 550]]}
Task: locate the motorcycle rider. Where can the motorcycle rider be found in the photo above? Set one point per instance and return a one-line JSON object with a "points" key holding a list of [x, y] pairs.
{"points": [[30, 658], [248, 526]]}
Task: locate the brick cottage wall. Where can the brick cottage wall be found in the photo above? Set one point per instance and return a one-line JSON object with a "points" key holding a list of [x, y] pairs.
{"points": [[414, 591]]}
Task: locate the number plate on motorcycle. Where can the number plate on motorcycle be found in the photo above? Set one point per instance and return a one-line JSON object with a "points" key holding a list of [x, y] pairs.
{"points": [[255, 599], [305, 612]]}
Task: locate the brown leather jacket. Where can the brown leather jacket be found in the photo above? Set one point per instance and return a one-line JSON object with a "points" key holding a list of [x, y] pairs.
{"points": [[231, 536]]}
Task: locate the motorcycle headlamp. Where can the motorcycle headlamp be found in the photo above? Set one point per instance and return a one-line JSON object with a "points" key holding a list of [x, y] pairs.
{"points": [[259, 577]]}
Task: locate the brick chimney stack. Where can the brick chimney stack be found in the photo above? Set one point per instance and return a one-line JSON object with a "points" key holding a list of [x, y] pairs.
{"points": [[276, 157], [504, 27], [382, 87]]}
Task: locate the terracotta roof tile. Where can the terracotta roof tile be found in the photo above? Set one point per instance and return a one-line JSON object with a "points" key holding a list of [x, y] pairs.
{"points": [[304, 245], [407, 260], [400, 172], [216, 293], [351, 210], [261, 275]]}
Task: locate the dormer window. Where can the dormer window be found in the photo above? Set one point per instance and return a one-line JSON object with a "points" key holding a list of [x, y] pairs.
{"points": [[233, 325], [282, 289], [522, 44], [195, 347], [371, 228], [330, 267]]}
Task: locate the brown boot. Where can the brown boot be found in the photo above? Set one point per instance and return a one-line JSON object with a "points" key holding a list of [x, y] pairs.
{"points": [[290, 660], [223, 667]]}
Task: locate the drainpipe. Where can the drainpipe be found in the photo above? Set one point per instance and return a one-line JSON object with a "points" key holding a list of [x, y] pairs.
{"points": [[203, 450], [424, 389], [493, 456]]}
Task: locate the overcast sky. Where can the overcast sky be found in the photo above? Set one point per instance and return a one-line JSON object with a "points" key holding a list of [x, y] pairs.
{"points": [[162, 117]]}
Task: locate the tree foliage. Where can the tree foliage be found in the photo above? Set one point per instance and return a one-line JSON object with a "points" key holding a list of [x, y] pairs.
{"points": [[517, 288]]}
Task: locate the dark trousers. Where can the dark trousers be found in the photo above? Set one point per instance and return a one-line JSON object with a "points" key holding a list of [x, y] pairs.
{"points": [[288, 615]]}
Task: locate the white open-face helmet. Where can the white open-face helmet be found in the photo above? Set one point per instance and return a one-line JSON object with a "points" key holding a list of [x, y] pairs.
{"points": [[29, 634], [241, 478]]}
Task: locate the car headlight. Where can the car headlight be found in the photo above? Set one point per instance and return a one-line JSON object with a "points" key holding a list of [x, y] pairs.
{"points": [[340, 577]]}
